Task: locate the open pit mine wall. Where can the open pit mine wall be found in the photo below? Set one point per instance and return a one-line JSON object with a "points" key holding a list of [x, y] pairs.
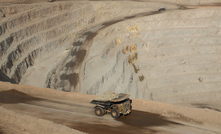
{"points": [[171, 57], [34, 31], [40, 31]]}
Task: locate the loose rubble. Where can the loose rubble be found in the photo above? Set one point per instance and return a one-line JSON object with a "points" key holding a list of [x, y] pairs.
{"points": [[109, 95]]}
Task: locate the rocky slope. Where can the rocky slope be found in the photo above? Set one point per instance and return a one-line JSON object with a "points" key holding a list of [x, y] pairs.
{"points": [[91, 47], [172, 57]]}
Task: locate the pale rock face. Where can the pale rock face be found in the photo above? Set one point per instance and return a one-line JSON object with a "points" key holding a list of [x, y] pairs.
{"points": [[158, 58], [126, 47]]}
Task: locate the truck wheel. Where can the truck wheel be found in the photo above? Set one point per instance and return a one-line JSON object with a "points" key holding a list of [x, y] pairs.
{"points": [[99, 111], [114, 113]]}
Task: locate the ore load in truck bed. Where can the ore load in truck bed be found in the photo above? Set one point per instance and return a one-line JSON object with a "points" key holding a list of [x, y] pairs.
{"points": [[112, 96]]}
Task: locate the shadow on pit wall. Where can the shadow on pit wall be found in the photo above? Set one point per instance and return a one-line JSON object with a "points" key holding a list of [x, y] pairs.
{"points": [[5, 78]]}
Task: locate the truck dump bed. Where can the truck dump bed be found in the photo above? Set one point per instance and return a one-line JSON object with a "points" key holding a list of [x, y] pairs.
{"points": [[112, 97]]}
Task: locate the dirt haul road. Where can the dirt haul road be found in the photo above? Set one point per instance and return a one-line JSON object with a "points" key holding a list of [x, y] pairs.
{"points": [[80, 116]]}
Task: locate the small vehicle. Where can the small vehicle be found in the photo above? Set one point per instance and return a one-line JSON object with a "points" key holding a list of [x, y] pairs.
{"points": [[162, 9], [117, 106]]}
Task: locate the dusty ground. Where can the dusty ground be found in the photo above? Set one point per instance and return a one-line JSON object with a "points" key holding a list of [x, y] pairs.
{"points": [[26, 109]]}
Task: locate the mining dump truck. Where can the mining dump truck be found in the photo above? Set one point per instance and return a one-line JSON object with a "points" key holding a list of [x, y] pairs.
{"points": [[115, 104]]}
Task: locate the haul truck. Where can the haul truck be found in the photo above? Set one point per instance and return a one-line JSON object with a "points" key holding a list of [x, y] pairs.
{"points": [[120, 105]]}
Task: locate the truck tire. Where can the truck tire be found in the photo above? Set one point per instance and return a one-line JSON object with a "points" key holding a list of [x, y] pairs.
{"points": [[114, 113], [99, 111]]}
